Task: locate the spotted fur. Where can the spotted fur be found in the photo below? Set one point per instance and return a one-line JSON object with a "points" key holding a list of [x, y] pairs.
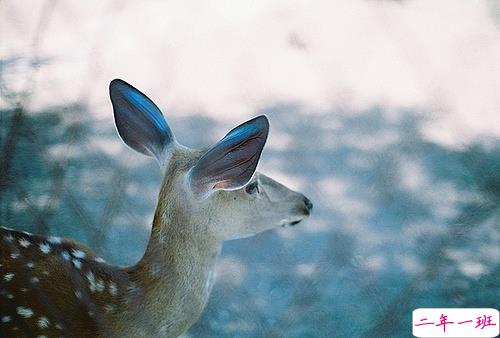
{"points": [[55, 287]]}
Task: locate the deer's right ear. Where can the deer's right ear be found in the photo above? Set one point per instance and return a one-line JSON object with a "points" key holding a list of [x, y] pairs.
{"points": [[231, 163], [139, 121]]}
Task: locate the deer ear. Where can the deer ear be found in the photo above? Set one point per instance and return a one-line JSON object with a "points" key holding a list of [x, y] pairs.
{"points": [[139, 121], [230, 163]]}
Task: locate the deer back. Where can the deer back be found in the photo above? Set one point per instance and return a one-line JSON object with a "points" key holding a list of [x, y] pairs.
{"points": [[55, 287]]}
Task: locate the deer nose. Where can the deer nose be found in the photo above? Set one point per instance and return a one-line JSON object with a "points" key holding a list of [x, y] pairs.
{"points": [[308, 204]]}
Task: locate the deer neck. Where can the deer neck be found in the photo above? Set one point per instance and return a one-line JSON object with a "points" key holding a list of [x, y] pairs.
{"points": [[172, 282]]}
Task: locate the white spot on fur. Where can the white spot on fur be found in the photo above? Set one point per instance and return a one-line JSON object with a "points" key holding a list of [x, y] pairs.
{"points": [[91, 313], [23, 290], [45, 248], [24, 242], [59, 326], [10, 296], [6, 319], [100, 286], [34, 280], [132, 287], [8, 277], [113, 289], [43, 322], [25, 312], [54, 240], [41, 337], [78, 294], [30, 265], [65, 255], [99, 260], [14, 255], [45, 272], [92, 282], [27, 233], [77, 263], [77, 253], [9, 238], [109, 308]]}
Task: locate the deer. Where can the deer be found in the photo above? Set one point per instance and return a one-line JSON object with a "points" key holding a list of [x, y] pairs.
{"points": [[56, 287]]}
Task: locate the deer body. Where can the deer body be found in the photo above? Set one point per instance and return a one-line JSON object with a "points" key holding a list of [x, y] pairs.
{"points": [[57, 287]]}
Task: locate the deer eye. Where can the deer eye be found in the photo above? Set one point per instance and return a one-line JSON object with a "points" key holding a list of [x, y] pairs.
{"points": [[252, 188]]}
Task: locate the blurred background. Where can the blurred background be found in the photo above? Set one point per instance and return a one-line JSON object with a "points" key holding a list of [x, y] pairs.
{"points": [[385, 113]]}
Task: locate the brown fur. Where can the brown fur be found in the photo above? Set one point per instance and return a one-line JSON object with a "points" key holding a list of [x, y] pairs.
{"points": [[77, 295], [164, 302]]}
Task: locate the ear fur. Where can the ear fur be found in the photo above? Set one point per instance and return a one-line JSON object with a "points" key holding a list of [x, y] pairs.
{"points": [[139, 121], [231, 163]]}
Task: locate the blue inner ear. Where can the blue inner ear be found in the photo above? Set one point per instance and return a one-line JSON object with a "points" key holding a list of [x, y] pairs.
{"points": [[244, 131], [230, 163], [139, 121], [147, 107]]}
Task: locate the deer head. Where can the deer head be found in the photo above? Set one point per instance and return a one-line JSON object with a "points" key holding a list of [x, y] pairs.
{"points": [[218, 188]]}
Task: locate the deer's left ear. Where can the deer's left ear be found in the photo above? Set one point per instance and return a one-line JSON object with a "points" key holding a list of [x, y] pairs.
{"points": [[231, 163], [139, 121]]}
